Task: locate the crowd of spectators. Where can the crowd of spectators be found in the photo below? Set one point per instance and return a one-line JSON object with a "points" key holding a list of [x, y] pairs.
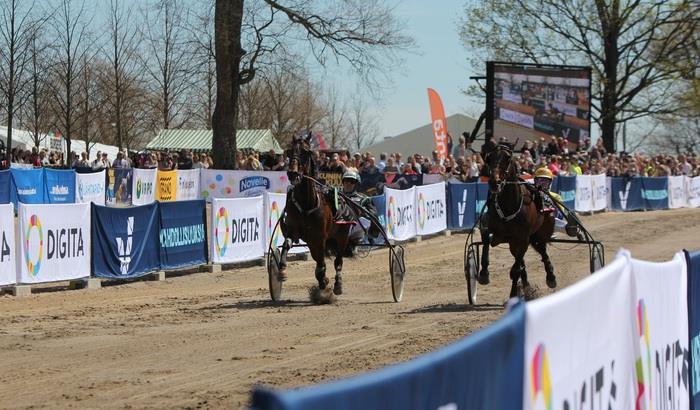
{"points": [[463, 164]]}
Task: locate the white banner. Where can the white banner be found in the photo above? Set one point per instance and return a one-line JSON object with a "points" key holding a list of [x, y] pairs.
{"points": [[580, 344], [8, 269], [274, 209], [238, 184], [662, 330], [90, 188], [677, 192], [143, 186], [400, 215], [55, 242], [591, 193], [694, 192], [187, 184], [238, 227], [608, 193], [516, 117], [430, 209]]}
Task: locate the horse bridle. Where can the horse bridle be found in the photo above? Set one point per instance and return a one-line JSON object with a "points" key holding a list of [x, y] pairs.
{"points": [[511, 171]]}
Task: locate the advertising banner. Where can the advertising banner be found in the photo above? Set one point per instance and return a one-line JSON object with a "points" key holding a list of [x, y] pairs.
{"points": [[462, 212], [599, 191], [126, 241], [274, 209], [655, 192], [183, 233], [90, 188], [400, 221], [119, 187], [379, 202], [27, 186], [476, 372], [144, 186], [430, 209], [482, 195], [237, 229], [166, 185], [566, 188], [584, 193], [677, 192], [239, 184], [581, 344], [693, 261], [55, 242], [8, 269], [187, 184], [626, 194], [662, 333], [60, 186], [694, 192], [439, 121], [5, 184], [334, 179]]}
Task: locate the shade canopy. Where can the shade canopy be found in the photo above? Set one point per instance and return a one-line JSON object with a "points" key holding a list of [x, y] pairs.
{"points": [[201, 140]]}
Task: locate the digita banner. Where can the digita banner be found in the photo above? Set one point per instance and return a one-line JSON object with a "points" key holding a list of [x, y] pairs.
{"points": [[237, 229], [400, 215], [55, 242], [8, 271], [431, 209]]}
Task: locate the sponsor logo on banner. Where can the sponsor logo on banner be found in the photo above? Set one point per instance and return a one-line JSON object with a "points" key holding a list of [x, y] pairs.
{"points": [[429, 210], [220, 246], [245, 230], [567, 196], [165, 188], [182, 236], [274, 216], [59, 190], [26, 191], [461, 207], [422, 212], [185, 183], [253, 182], [585, 194], [398, 215], [541, 380], [89, 190], [62, 243], [643, 327], [624, 195], [654, 194], [143, 188], [124, 248], [4, 248]]}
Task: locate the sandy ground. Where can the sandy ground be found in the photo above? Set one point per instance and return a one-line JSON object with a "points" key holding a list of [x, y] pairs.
{"points": [[203, 340]]}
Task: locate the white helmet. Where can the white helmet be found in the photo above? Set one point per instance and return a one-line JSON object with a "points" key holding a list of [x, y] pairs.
{"points": [[351, 175]]}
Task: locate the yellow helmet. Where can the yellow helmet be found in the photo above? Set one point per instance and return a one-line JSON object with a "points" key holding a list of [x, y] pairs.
{"points": [[544, 172]]}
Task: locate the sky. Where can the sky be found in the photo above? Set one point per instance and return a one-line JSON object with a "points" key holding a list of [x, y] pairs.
{"points": [[439, 61]]}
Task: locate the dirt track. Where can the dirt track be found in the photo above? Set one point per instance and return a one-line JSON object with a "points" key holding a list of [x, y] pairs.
{"points": [[204, 340]]}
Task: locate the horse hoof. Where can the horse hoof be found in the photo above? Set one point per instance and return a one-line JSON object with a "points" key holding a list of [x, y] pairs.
{"points": [[322, 284], [338, 289], [483, 279], [552, 283]]}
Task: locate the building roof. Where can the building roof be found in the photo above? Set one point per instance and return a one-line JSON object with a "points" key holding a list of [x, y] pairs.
{"points": [[421, 140], [201, 140]]}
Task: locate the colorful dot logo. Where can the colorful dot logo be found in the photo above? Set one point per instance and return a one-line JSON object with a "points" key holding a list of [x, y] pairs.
{"points": [[222, 214], [392, 215], [138, 189], [33, 266], [422, 212], [272, 221], [643, 327], [541, 381]]}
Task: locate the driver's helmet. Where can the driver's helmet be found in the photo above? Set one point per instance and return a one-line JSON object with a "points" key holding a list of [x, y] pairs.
{"points": [[543, 177], [353, 175]]}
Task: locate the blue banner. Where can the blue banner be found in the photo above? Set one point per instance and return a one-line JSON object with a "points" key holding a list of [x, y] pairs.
{"points": [[482, 195], [27, 186], [693, 259], [5, 185], [183, 234], [461, 209], [60, 186], [482, 371], [379, 202], [626, 194], [125, 241], [566, 188], [655, 192]]}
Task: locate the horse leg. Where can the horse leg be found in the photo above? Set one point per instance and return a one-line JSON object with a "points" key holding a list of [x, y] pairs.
{"points": [[286, 245], [484, 271], [342, 241], [541, 248], [318, 253], [517, 271]]}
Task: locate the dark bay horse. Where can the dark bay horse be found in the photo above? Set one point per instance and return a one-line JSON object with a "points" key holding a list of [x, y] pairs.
{"points": [[309, 216], [513, 218]]}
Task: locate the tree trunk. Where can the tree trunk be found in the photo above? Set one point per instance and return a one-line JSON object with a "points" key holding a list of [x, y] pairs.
{"points": [[227, 27], [610, 21]]}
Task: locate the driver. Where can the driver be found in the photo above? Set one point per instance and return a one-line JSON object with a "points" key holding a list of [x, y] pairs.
{"points": [[351, 179], [546, 202]]}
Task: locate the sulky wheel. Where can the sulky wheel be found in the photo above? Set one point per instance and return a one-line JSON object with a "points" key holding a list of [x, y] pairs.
{"points": [[397, 271], [471, 270], [273, 274], [597, 257]]}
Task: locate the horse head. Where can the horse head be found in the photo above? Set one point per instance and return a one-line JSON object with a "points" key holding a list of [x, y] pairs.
{"points": [[300, 160], [502, 166]]}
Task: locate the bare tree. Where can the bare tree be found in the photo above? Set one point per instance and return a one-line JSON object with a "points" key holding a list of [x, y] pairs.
{"points": [[364, 127], [169, 64], [624, 41], [336, 122], [363, 33], [72, 48], [682, 135], [92, 97], [16, 30], [36, 116], [204, 90]]}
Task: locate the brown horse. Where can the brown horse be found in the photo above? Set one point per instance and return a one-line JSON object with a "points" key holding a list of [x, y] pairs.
{"points": [[513, 218], [308, 216]]}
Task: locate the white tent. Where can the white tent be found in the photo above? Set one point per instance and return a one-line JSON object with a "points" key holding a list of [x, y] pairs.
{"points": [[23, 139]]}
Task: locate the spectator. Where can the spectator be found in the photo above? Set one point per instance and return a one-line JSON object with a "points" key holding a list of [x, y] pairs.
{"points": [[184, 160], [120, 162]]}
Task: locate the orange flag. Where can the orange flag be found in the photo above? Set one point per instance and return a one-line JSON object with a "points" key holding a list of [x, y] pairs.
{"points": [[437, 113]]}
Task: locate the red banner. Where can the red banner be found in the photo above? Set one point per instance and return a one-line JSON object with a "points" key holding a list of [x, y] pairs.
{"points": [[437, 114]]}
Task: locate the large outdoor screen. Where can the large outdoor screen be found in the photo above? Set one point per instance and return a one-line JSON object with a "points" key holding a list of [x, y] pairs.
{"points": [[526, 101]]}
